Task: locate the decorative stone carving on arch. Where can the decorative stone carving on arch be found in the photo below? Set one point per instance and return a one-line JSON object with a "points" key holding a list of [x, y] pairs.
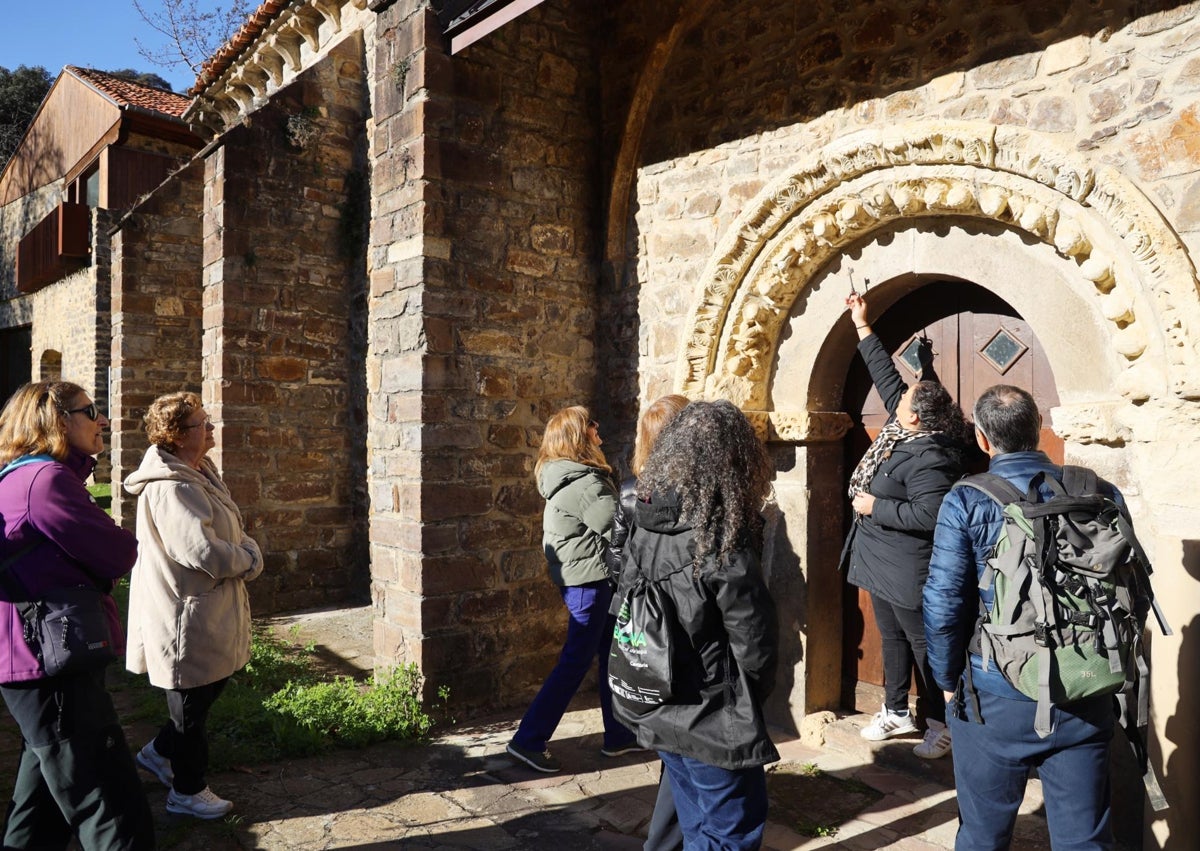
{"points": [[1127, 256]]}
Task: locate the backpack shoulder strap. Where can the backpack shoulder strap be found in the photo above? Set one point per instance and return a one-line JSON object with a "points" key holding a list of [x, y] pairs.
{"points": [[1000, 490], [1080, 481]]}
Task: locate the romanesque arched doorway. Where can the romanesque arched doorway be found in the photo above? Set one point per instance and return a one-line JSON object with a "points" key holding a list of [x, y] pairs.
{"points": [[978, 340], [1075, 249]]}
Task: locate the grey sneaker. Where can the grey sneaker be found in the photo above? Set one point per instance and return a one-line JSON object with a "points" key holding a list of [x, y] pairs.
{"points": [[936, 743], [204, 804], [539, 761], [150, 759], [886, 724]]}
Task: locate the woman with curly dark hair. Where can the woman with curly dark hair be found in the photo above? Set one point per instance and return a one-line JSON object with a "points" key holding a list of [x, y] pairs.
{"points": [[896, 491], [698, 535]]}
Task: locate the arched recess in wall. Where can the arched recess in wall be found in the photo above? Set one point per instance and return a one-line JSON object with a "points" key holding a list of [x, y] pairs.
{"points": [[1077, 251], [50, 366], [625, 166]]}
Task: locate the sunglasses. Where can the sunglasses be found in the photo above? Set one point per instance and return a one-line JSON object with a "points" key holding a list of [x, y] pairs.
{"points": [[204, 423], [89, 411]]}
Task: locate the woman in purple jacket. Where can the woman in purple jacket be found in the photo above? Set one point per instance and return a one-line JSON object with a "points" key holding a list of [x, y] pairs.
{"points": [[76, 776]]}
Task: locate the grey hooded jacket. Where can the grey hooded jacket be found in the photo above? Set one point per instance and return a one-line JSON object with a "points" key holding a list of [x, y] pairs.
{"points": [[578, 520]]}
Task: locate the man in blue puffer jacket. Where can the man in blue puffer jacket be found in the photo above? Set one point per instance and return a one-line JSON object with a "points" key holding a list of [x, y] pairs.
{"points": [[992, 759]]}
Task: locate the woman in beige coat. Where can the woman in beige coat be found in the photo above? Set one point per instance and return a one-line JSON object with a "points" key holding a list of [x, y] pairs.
{"points": [[189, 613]]}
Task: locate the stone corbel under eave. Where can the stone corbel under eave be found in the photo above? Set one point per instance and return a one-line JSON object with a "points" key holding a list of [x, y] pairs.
{"points": [[800, 426], [275, 58]]}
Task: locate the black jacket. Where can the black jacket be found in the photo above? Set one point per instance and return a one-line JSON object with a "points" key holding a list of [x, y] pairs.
{"points": [[730, 640], [622, 523], [887, 552]]}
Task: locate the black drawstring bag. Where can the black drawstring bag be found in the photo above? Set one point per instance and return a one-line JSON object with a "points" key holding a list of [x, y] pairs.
{"points": [[642, 654]]}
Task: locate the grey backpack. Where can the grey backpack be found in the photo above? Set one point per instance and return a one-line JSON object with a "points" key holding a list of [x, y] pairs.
{"points": [[1070, 597]]}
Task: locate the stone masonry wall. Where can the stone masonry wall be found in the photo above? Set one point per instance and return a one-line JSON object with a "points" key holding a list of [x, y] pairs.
{"points": [[761, 85], [16, 220], [482, 255], [1119, 90], [156, 315], [282, 340]]}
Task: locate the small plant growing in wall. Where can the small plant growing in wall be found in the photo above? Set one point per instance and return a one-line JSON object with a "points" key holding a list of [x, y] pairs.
{"points": [[302, 128], [400, 73]]}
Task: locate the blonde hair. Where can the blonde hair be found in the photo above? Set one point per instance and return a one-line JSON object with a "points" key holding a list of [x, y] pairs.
{"points": [[166, 415], [566, 438], [661, 412], [33, 421]]}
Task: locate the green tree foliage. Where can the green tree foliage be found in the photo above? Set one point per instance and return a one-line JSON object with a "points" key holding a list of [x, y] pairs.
{"points": [[21, 93], [142, 78]]}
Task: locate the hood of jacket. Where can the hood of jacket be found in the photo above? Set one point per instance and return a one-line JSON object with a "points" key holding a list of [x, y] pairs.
{"points": [[661, 514], [557, 474], [159, 465]]}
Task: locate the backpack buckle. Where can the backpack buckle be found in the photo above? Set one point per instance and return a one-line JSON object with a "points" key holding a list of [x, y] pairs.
{"points": [[1039, 634]]}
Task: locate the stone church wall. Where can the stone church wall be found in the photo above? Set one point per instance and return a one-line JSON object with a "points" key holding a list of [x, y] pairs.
{"points": [[284, 330], [757, 91], [483, 250], [156, 310]]}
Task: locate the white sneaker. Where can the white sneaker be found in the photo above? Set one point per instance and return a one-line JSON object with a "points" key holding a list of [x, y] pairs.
{"points": [[150, 759], [936, 743], [886, 724], [204, 804]]}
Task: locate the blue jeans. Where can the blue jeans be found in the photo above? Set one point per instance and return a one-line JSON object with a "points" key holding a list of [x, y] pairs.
{"points": [[719, 808], [992, 761], [588, 634]]}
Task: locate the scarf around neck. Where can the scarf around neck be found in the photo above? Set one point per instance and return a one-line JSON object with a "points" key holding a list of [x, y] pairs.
{"points": [[890, 436]]}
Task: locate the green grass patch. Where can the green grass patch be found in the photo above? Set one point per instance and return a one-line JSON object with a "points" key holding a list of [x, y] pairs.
{"points": [[281, 705], [102, 493]]}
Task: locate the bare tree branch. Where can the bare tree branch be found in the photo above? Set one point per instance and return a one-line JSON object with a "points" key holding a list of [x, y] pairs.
{"points": [[190, 35]]}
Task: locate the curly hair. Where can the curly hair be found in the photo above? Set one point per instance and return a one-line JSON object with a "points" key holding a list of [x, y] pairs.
{"points": [[937, 410], [166, 416], [711, 458], [566, 438], [664, 409], [33, 421]]}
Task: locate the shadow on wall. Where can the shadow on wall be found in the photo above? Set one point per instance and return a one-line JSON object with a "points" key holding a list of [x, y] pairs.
{"points": [[38, 196], [1183, 766], [775, 67], [783, 572]]}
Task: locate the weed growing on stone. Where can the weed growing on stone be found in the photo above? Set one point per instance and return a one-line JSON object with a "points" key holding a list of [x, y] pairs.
{"points": [[354, 714]]}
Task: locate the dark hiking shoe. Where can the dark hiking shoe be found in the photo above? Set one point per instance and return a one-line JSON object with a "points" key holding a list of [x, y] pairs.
{"points": [[537, 760]]}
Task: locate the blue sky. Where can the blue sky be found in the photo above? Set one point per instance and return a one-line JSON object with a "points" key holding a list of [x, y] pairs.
{"points": [[88, 33]]}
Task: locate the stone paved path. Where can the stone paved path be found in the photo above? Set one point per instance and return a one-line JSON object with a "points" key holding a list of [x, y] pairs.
{"points": [[462, 792]]}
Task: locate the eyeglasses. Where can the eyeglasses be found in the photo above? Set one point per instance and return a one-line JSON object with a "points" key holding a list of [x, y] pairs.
{"points": [[206, 422], [89, 411]]}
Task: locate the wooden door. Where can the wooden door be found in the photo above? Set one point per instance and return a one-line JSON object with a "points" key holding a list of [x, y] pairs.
{"points": [[973, 350]]}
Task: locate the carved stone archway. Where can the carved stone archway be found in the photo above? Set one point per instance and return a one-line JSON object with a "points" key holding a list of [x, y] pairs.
{"points": [[1135, 268], [1109, 266]]}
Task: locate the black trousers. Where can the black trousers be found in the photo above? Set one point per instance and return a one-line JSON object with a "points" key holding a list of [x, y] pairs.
{"points": [[903, 634], [76, 776], [184, 739]]}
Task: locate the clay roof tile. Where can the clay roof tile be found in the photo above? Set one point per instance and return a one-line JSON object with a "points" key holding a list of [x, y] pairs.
{"points": [[254, 26], [132, 94]]}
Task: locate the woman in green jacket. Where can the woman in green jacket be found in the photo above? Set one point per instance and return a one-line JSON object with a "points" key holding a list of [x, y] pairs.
{"points": [[574, 477]]}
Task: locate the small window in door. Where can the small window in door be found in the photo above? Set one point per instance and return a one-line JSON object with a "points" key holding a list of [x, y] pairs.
{"points": [[911, 355], [1003, 350]]}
